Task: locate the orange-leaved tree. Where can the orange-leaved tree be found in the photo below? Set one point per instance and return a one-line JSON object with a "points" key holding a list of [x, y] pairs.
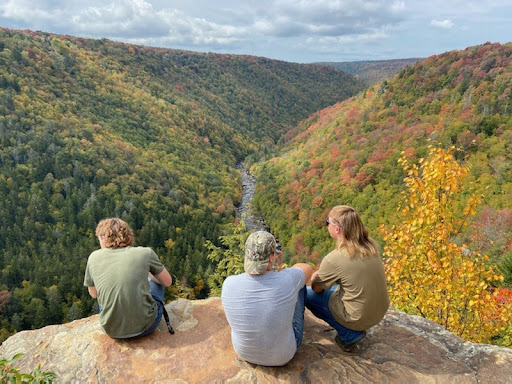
{"points": [[429, 274]]}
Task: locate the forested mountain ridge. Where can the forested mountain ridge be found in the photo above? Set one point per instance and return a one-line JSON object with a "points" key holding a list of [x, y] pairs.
{"points": [[93, 128], [372, 72], [348, 153]]}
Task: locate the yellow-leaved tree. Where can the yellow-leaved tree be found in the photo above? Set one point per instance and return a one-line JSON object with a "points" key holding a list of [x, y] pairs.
{"points": [[429, 274]]}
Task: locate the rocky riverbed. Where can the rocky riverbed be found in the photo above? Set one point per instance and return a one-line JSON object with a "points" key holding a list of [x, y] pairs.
{"points": [[253, 219]]}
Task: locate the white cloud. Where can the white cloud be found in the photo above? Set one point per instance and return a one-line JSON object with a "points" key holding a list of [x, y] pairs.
{"points": [[23, 10], [130, 18], [121, 18], [337, 17], [446, 24], [198, 24], [284, 29]]}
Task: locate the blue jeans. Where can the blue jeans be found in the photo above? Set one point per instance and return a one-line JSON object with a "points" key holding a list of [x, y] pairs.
{"points": [[318, 303], [298, 316], [157, 292]]}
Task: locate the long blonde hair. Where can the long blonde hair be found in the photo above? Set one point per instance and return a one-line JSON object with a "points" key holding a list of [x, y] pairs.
{"points": [[354, 234], [116, 233]]}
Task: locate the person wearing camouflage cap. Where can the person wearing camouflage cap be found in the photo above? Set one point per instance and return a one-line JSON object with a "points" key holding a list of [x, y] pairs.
{"points": [[258, 249], [265, 308]]}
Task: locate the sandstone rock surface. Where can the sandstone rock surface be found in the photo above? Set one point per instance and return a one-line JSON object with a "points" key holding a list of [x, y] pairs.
{"points": [[401, 349]]}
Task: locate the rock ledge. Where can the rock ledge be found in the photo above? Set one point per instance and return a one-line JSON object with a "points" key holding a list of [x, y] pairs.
{"points": [[401, 349]]}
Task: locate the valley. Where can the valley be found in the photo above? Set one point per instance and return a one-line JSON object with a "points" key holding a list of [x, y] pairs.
{"points": [[93, 128]]}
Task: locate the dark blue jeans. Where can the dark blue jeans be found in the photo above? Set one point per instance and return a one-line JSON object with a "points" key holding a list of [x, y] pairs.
{"points": [[318, 303], [157, 292]]}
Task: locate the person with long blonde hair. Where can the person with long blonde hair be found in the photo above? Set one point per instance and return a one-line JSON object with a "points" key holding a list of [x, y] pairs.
{"points": [[127, 281], [349, 289]]}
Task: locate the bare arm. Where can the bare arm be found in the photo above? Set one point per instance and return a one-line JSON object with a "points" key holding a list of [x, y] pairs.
{"points": [[93, 292], [163, 278], [306, 268]]}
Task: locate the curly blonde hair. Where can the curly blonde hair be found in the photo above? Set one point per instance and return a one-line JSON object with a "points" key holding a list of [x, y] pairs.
{"points": [[116, 233], [355, 235]]}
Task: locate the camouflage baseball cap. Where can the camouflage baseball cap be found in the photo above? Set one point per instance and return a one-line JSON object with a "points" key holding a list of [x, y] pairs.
{"points": [[258, 247]]}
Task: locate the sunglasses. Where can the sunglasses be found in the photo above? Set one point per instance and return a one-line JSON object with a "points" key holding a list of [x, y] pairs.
{"points": [[327, 222]]}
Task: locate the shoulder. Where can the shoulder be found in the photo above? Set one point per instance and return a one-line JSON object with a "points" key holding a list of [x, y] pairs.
{"points": [[334, 257], [333, 254], [293, 271], [95, 254], [232, 284], [294, 274], [140, 249], [233, 279], [143, 251]]}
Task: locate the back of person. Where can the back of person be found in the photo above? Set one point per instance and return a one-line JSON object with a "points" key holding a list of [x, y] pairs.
{"points": [[361, 299], [121, 279], [349, 290], [259, 310]]}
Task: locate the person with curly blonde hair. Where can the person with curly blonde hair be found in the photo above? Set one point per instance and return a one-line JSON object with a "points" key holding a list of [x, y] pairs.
{"points": [[349, 289], [128, 282]]}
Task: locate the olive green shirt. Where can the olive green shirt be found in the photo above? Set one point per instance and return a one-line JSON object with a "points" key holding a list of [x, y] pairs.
{"points": [[361, 299], [120, 276]]}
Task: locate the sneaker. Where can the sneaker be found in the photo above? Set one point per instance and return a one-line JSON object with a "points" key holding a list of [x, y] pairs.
{"points": [[348, 347]]}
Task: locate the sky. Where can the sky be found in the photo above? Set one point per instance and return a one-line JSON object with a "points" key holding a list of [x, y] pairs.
{"points": [[302, 31]]}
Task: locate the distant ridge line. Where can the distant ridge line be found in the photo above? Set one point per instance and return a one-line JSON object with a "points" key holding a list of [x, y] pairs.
{"points": [[371, 72]]}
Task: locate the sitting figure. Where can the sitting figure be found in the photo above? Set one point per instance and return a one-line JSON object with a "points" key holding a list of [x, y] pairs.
{"points": [[128, 282], [349, 290], [264, 308]]}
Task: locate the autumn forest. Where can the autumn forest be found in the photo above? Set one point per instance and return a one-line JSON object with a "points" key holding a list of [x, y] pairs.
{"points": [[92, 129]]}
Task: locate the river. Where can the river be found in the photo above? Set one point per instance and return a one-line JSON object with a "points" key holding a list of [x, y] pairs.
{"points": [[253, 220]]}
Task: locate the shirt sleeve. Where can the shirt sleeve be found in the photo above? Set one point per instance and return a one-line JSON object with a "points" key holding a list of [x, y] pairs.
{"points": [[298, 276], [88, 281], [327, 274], [155, 266]]}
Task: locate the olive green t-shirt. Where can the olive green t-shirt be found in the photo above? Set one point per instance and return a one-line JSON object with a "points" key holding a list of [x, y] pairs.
{"points": [[361, 299], [120, 276]]}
